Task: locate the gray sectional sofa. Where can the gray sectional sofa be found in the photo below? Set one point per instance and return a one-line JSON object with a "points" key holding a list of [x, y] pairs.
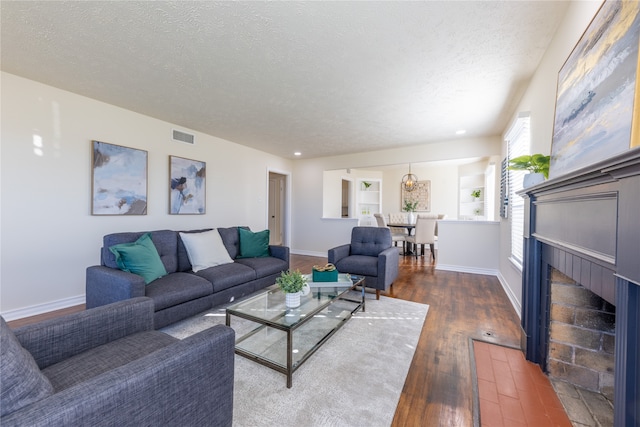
{"points": [[182, 292]]}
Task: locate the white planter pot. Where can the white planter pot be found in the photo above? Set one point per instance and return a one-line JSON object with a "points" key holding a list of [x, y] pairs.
{"points": [[292, 299], [411, 218], [532, 179]]}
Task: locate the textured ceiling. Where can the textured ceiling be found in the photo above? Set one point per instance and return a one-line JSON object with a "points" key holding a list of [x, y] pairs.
{"points": [[323, 78]]}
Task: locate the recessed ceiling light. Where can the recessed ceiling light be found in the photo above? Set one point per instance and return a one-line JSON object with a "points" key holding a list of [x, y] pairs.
{"points": [[297, 153], [461, 132]]}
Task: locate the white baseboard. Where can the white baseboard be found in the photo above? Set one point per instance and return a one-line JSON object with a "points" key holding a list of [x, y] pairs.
{"points": [[514, 301], [34, 310]]}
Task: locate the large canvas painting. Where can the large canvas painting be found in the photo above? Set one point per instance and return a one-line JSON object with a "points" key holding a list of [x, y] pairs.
{"points": [[597, 88], [119, 180], [187, 186], [422, 194]]}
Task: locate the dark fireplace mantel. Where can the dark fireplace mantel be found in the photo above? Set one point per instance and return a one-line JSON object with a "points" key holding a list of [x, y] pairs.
{"points": [[587, 225]]}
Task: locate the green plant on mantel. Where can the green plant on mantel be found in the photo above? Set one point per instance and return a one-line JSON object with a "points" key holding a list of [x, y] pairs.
{"points": [[535, 163], [410, 206], [291, 281]]}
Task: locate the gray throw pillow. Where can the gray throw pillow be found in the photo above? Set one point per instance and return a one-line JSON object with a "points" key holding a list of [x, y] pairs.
{"points": [[21, 379]]}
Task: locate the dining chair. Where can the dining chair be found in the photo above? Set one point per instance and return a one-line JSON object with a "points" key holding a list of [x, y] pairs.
{"points": [[440, 216], [395, 236], [380, 220], [424, 233], [398, 218]]}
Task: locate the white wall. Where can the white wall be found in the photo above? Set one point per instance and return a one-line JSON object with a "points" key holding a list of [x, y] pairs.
{"points": [[539, 100], [313, 235], [332, 193], [444, 188], [48, 233], [469, 246]]}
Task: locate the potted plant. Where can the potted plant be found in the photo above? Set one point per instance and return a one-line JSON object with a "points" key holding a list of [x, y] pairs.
{"points": [[366, 184], [410, 207], [292, 283], [536, 164], [476, 193]]}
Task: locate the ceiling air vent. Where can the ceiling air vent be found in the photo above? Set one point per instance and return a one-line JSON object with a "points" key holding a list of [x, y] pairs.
{"points": [[183, 137]]}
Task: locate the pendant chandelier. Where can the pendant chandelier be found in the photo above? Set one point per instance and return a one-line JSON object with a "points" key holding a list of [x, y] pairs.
{"points": [[409, 181]]}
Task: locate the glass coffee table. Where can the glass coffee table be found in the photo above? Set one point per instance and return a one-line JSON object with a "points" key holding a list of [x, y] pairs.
{"points": [[283, 338]]}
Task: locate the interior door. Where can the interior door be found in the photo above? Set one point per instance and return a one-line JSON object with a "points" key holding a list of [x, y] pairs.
{"points": [[276, 203]]}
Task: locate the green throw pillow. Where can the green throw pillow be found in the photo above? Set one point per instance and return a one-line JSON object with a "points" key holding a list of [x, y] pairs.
{"points": [[140, 257], [253, 245]]}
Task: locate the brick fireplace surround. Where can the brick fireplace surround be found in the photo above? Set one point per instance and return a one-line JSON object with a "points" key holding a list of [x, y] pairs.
{"points": [[586, 225]]}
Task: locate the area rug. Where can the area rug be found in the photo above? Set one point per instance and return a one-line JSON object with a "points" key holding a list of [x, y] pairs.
{"points": [[354, 379]]}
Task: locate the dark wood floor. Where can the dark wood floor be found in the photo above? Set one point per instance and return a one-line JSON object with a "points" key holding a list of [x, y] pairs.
{"points": [[438, 390]]}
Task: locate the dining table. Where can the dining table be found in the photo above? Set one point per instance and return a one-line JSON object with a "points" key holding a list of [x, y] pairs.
{"points": [[409, 228]]}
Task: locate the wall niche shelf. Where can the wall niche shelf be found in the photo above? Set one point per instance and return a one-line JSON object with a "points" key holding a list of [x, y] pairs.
{"points": [[470, 207], [369, 201]]}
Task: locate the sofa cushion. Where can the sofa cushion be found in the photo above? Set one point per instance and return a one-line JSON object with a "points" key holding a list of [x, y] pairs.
{"points": [[253, 245], [205, 249], [359, 264], [165, 241], [104, 358], [369, 241], [177, 288], [22, 382], [140, 257], [183, 258], [231, 239], [227, 275], [265, 266]]}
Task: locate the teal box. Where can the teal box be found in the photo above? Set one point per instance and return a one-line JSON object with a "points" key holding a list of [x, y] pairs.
{"points": [[325, 276]]}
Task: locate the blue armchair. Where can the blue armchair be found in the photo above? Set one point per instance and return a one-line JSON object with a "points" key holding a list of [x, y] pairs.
{"points": [[369, 254], [107, 366]]}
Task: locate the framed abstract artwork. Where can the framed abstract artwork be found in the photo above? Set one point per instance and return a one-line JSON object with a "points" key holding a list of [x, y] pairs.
{"points": [[187, 186], [119, 180], [595, 114], [422, 194]]}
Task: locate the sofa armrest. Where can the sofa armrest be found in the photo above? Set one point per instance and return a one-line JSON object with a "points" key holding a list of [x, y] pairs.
{"points": [[54, 340], [388, 262], [186, 383], [281, 252], [105, 285], [336, 254]]}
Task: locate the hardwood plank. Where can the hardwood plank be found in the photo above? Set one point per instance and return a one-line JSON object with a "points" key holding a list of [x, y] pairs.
{"points": [[45, 316], [438, 389]]}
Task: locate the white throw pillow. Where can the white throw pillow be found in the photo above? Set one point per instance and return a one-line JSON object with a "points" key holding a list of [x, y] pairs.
{"points": [[205, 249]]}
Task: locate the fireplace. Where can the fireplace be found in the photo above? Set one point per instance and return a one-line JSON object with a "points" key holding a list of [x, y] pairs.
{"points": [[580, 359], [585, 227]]}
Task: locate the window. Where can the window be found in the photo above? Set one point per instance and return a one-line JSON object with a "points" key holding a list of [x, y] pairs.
{"points": [[518, 144]]}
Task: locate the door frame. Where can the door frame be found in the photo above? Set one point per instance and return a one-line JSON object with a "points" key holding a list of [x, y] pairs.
{"points": [[286, 214]]}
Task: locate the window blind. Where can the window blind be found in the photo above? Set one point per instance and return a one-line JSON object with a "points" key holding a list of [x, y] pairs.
{"points": [[518, 142]]}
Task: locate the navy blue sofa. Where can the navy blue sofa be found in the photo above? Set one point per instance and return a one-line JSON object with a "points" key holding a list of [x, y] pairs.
{"points": [[182, 293], [107, 366]]}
